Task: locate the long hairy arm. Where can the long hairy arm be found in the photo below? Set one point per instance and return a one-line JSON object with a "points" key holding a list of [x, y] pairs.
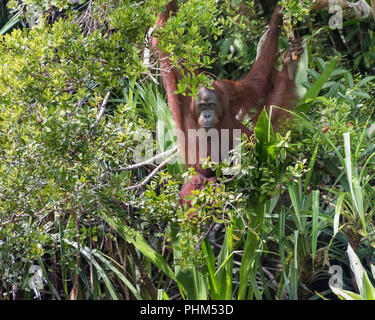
{"points": [[251, 91], [167, 71]]}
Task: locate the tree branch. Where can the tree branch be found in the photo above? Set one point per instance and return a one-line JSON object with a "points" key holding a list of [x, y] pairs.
{"points": [[149, 161], [149, 177], [143, 279], [101, 111]]}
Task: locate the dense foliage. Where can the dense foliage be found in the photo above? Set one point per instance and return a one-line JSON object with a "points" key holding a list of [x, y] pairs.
{"points": [[78, 220]]}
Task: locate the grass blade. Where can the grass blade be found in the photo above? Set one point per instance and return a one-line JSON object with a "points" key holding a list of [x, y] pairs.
{"points": [[295, 203], [251, 244], [89, 257], [212, 277], [62, 254], [225, 269], [336, 219], [110, 266], [162, 295], [135, 238], [301, 73], [50, 286], [345, 294], [366, 289], [365, 80], [11, 23], [311, 167], [314, 90], [354, 184], [315, 226]]}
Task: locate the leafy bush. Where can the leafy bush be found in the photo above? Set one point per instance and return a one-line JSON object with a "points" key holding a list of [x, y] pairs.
{"points": [[77, 213]]}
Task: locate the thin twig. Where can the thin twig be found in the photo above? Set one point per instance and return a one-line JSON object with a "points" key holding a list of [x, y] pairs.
{"points": [[154, 172], [271, 277], [230, 179], [203, 236], [101, 111], [149, 161]]}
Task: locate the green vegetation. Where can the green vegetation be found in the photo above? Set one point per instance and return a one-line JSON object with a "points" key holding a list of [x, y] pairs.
{"points": [[78, 220]]}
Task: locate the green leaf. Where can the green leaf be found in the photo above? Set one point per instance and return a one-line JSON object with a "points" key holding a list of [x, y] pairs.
{"points": [[193, 282], [135, 238], [12, 22], [366, 289], [162, 295], [314, 90], [301, 73], [225, 266], [293, 194], [315, 216], [338, 72], [345, 294], [361, 94], [210, 260], [117, 272], [354, 184], [349, 80], [251, 243], [88, 256], [320, 62], [363, 81], [311, 167], [336, 218], [265, 137]]}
